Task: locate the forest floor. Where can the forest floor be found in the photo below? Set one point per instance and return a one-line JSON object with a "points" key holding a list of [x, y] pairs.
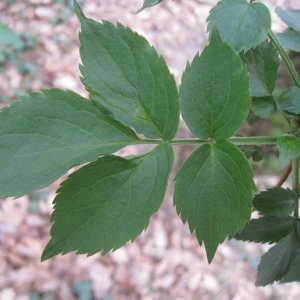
{"points": [[166, 261]]}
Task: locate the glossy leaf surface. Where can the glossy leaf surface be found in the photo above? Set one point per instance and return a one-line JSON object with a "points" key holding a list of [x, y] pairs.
{"points": [[108, 202], [213, 193], [45, 134]]}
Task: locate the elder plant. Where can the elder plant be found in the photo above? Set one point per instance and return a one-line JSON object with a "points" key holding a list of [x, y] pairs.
{"points": [[109, 200]]}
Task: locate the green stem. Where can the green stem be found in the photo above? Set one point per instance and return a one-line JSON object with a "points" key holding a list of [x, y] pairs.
{"points": [[295, 181], [287, 61], [253, 140]]}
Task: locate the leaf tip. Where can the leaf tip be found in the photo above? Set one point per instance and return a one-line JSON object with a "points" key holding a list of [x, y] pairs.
{"points": [[78, 10], [49, 251]]}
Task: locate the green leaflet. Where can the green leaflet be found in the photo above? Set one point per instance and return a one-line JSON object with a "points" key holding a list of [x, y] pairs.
{"points": [[42, 136], [289, 102], [275, 202], [108, 202], [214, 93], [149, 3], [213, 192], [293, 272], [291, 17], [263, 107], [262, 64], [290, 40], [267, 229], [242, 24], [289, 147], [275, 262], [123, 73]]}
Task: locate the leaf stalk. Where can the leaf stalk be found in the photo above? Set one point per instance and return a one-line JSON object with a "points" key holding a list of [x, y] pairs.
{"points": [[287, 61], [240, 141]]}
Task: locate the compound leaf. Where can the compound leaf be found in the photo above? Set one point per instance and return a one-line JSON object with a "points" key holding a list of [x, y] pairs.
{"points": [[275, 202], [149, 3], [262, 64], [123, 73], [213, 192], [289, 102], [108, 202], [267, 229], [214, 93], [263, 107], [290, 40], [275, 262], [291, 17], [249, 26], [289, 147], [45, 134]]}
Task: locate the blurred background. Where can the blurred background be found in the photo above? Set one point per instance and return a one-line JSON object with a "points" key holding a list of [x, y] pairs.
{"points": [[39, 48]]}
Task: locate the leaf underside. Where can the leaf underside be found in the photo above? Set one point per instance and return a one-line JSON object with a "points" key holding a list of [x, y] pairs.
{"points": [[247, 29], [213, 193], [45, 134], [214, 93], [108, 202], [123, 73]]}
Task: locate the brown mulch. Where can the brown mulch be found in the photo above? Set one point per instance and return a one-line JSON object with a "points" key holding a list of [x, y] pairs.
{"points": [[165, 262]]}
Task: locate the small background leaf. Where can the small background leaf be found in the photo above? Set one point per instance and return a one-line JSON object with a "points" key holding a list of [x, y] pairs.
{"points": [[42, 136], [275, 202], [263, 107], [289, 102], [149, 3], [262, 64], [290, 40], [291, 17], [267, 229], [253, 151], [214, 93], [289, 147], [275, 262], [213, 192], [108, 202], [123, 73], [249, 27]]}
